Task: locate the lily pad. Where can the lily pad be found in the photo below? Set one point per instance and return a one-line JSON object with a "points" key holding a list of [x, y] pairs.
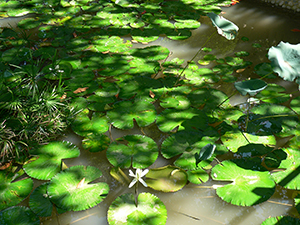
{"points": [[281, 220], [123, 113], [285, 60], [149, 210], [234, 139], [166, 179], [198, 176], [265, 70], [169, 119], [137, 151], [18, 215], [180, 142], [247, 188], [84, 126], [48, 162], [273, 94], [225, 27], [290, 176], [71, 189], [251, 87], [39, 202], [13, 192], [96, 142]]}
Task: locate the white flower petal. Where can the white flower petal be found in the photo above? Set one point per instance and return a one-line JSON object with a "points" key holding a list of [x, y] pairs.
{"points": [[143, 182], [144, 172], [132, 182], [131, 174]]}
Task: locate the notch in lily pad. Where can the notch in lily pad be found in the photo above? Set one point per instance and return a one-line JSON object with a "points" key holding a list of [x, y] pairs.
{"points": [[72, 189], [225, 27], [251, 87], [49, 160], [150, 210]]}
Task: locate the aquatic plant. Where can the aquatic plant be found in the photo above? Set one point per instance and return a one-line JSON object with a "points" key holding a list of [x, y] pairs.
{"points": [[80, 61]]}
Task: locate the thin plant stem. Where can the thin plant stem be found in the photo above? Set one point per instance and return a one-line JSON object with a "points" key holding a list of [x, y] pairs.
{"points": [[188, 62]]}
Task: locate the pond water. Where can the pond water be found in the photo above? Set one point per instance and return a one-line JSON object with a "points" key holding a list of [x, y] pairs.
{"points": [[196, 205]]}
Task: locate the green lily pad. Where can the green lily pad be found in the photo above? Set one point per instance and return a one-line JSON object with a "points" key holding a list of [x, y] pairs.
{"points": [[180, 142], [247, 188], [208, 99], [124, 112], [290, 176], [251, 87], [29, 23], [39, 202], [280, 115], [265, 70], [297, 202], [138, 151], [285, 60], [225, 27], [198, 176], [84, 126], [169, 119], [234, 139], [273, 93], [281, 220], [13, 192], [295, 105], [149, 209], [189, 160], [96, 142], [166, 179], [261, 125], [71, 189], [18, 215], [48, 162]]}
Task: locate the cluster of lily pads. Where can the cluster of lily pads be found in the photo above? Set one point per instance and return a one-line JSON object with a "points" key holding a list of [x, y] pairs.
{"points": [[175, 104]]}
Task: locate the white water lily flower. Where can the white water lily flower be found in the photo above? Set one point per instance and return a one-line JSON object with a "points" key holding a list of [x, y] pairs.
{"points": [[138, 177]]}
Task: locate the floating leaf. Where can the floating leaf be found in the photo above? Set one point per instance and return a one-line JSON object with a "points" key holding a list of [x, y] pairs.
{"points": [[247, 188], [179, 142], [71, 189], [281, 220], [39, 201], [188, 160], [198, 176], [96, 142], [205, 153], [297, 202], [225, 27], [142, 110], [234, 139], [49, 158], [169, 119], [18, 215], [84, 126], [290, 176], [285, 60], [261, 125], [138, 151], [13, 192], [149, 209], [251, 87], [166, 179], [265, 70], [273, 94]]}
